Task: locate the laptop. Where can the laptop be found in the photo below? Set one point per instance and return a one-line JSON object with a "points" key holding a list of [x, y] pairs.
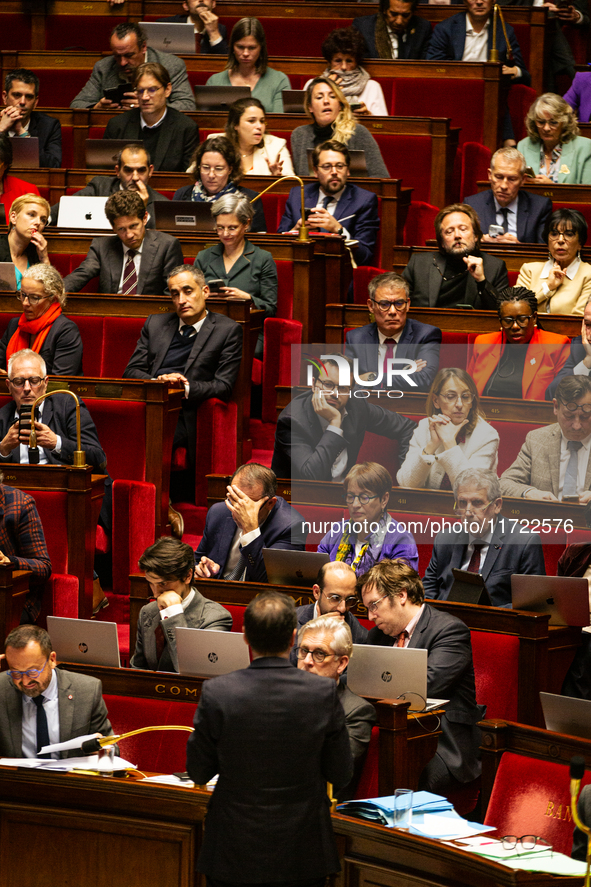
{"points": [[468, 588], [391, 673], [87, 213], [7, 277], [183, 215], [287, 567], [25, 153], [174, 37], [207, 654], [358, 165], [564, 714], [214, 98], [293, 101], [86, 641], [103, 153], [565, 598]]}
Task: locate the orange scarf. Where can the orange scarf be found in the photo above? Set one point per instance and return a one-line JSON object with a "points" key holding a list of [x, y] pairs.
{"points": [[39, 328]]}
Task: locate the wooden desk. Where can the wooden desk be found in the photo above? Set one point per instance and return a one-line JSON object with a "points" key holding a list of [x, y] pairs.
{"points": [[14, 585]]}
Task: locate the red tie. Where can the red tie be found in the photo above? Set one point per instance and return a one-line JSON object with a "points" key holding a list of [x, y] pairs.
{"points": [[129, 285], [389, 355], [474, 565], [401, 638]]}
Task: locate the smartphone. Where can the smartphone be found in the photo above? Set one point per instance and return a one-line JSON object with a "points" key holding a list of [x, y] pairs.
{"points": [[355, 104], [215, 285], [24, 423], [530, 172], [308, 211], [495, 230], [116, 93]]}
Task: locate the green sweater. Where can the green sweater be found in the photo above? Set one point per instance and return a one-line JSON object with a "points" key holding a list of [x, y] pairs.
{"points": [[267, 91]]}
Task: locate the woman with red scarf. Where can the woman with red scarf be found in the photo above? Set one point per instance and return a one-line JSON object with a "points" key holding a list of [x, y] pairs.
{"points": [[42, 326]]}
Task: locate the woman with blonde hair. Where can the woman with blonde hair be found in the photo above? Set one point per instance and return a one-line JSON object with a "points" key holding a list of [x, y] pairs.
{"points": [[554, 147], [24, 244], [333, 119], [453, 436]]}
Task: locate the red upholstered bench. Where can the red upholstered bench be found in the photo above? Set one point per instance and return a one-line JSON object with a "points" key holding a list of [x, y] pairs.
{"points": [[456, 99], [15, 30], [120, 336], [496, 671], [89, 32]]}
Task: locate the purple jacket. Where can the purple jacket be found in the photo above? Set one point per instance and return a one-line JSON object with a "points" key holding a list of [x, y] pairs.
{"points": [[396, 544], [579, 96]]}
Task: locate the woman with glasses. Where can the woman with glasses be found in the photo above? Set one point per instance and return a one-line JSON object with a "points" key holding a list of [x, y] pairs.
{"points": [[169, 135], [260, 154], [24, 244], [42, 326], [216, 172], [499, 369], [554, 146], [247, 66], [241, 269], [563, 283], [370, 533], [453, 436]]}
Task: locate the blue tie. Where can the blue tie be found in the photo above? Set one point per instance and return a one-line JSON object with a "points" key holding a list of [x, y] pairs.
{"points": [[572, 469]]}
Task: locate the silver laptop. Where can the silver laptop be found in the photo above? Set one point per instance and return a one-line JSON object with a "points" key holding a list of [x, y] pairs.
{"points": [[215, 98], [7, 277], [87, 213], [183, 215], [207, 653], [103, 153], [391, 673], [564, 714], [177, 37], [25, 153], [84, 640], [565, 598], [287, 567]]}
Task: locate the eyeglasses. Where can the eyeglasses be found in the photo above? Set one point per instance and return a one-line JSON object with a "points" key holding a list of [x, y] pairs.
{"points": [[151, 90], [336, 599], [521, 320], [553, 124], [363, 499], [317, 655], [373, 607], [328, 167], [528, 842], [32, 299], [475, 505], [452, 396], [34, 381], [568, 235], [215, 170], [29, 673], [385, 305], [572, 408], [330, 387]]}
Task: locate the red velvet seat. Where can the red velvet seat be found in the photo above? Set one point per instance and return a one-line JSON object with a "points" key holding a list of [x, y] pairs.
{"points": [[361, 278], [367, 787], [15, 30], [496, 672], [475, 165], [89, 32], [419, 226], [91, 331], [461, 100], [120, 336]]}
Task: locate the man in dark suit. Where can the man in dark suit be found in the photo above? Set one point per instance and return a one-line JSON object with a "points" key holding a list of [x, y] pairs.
{"points": [[459, 274], [169, 565], [496, 550], [251, 518], [133, 171], [579, 359], [395, 32], [574, 15], [393, 594], [335, 594], [205, 359], [134, 261], [69, 704], [169, 135], [210, 33], [394, 334], [19, 118], [521, 215], [319, 434], [333, 199], [276, 735]]}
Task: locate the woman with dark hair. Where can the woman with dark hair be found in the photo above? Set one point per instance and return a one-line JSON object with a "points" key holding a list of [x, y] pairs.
{"points": [[10, 186], [370, 534], [502, 371], [454, 435], [554, 147], [332, 118], [563, 283], [344, 50], [216, 172], [247, 66], [261, 154]]}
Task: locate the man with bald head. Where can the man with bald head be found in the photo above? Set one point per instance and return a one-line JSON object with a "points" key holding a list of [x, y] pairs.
{"points": [[335, 594]]}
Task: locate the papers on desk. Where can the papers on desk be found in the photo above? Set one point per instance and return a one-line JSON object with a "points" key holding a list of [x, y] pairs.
{"points": [[535, 860], [446, 826], [86, 762], [381, 810], [169, 779], [68, 745]]}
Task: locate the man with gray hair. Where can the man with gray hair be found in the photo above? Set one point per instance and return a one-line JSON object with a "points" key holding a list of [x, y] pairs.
{"points": [[394, 334], [487, 543], [520, 214]]}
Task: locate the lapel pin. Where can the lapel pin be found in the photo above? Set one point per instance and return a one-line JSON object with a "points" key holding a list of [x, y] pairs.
{"points": [[532, 361], [70, 696]]}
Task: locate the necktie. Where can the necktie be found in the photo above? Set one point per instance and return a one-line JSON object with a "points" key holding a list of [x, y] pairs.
{"points": [[326, 201], [187, 331], [390, 343], [236, 574], [505, 213], [42, 728], [402, 638], [474, 565], [572, 469], [160, 640], [129, 285], [198, 39]]}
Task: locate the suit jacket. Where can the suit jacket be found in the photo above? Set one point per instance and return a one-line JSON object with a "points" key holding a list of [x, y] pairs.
{"points": [[82, 710], [570, 297], [275, 734], [211, 368], [545, 356], [61, 350], [255, 272], [360, 716], [178, 138], [258, 224], [358, 631], [532, 213], [450, 675], [577, 354], [201, 613], [579, 95], [282, 529], [160, 254], [537, 466], [424, 274], [418, 35], [303, 449], [104, 186], [49, 132], [418, 340], [355, 201], [576, 158], [449, 37], [105, 75], [509, 552], [205, 47]]}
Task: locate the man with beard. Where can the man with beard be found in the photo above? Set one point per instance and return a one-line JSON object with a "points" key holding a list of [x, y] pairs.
{"points": [[395, 32], [459, 274]]}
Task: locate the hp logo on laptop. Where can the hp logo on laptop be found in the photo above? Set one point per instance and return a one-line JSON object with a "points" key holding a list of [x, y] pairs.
{"points": [[386, 676]]}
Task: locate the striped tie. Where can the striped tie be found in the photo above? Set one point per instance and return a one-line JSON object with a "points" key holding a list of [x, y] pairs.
{"points": [[129, 285]]}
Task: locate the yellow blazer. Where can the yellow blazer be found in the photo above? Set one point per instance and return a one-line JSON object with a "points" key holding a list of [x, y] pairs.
{"points": [[570, 297]]}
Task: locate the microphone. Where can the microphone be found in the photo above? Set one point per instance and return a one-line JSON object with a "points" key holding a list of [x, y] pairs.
{"points": [[577, 770], [91, 746]]}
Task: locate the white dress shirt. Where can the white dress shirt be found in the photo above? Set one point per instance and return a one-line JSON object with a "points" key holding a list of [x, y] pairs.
{"points": [[332, 206], [51, 709], [476, 45], [177, 609]]}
